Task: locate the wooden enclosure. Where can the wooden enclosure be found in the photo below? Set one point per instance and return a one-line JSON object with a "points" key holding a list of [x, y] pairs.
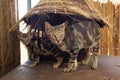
{"points": [[110, 36], [9, 43]]}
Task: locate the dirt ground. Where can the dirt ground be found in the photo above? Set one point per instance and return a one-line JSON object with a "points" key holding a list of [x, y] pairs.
{"points": [[108, 69]]}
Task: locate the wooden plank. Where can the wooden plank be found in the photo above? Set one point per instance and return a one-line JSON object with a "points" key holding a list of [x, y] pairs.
{"points": [[6, 35], [1, 41], [104, 35], [119, 28], [116, 32], [10, 49], [14, 36], [110, 29]]}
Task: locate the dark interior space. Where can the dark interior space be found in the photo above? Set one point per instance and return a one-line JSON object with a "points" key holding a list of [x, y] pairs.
{"points": [[37, 20]]}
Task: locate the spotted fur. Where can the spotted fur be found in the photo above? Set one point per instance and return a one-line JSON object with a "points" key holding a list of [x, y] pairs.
{"points": [[72, 38], [38, 45]]}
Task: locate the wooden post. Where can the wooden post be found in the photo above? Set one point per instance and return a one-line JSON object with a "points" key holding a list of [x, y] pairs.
{"points": [[9, 43]]}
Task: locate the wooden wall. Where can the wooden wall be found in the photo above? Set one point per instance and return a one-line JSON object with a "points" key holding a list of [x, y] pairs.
{"points": [[9, 43], [110, 36]]}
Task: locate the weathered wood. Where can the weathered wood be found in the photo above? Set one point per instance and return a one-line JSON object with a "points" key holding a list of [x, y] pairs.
{"points": [[119, 29], [110, 38], [110, 29], [116, 32], [9, 43], [1, 41], [118, 25]]}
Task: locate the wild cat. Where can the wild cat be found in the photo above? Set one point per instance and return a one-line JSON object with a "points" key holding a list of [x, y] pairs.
{"points": [[72, 38], [39, 44]]}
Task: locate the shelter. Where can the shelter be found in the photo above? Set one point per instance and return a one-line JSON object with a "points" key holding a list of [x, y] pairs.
{"points": [[57, 11]]}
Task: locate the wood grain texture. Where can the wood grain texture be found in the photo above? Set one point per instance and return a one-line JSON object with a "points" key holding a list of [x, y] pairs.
{"points": [[9, 45], [110, 38]]}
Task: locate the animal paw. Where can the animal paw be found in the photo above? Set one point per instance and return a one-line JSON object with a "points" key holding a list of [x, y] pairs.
{"points": [[94, 66], [34, 63], [71, 67], [84, 62], [56, 65], [67, 70], [59, 61]]}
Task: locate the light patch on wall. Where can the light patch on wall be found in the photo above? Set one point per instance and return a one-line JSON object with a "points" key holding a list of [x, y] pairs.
{"points": [[24, 53], [34, 2], [115, 2], [22, 10]]}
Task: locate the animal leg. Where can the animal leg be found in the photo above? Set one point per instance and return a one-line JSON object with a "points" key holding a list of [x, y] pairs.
{"points": [[95, 56], [72, 65], [95, 61], [59, 61], [87, 59], [35, 59], [35, 62]]}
